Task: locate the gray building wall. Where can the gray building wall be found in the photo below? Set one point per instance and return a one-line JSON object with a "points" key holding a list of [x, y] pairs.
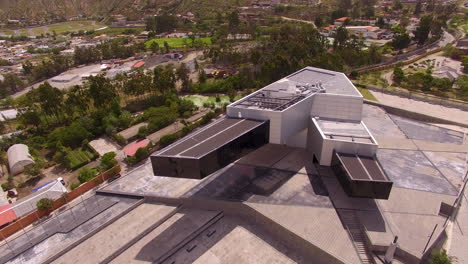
{"points": [[260, 114], [323, 147], [335, 106]]}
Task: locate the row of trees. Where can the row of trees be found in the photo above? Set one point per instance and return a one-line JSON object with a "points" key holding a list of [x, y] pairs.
{"points": [[114, 49], [294, 46]]}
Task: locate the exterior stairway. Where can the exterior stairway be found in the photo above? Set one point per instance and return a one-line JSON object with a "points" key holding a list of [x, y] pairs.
{"points": [[352, 223]]}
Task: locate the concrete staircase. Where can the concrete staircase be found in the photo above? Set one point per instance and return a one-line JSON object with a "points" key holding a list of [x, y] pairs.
{"points": [[352, 223]]}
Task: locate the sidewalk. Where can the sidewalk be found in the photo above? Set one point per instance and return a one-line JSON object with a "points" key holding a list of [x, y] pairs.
{"points": [[447, 113]]}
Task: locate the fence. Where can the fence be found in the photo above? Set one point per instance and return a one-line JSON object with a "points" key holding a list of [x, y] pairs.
{"points": [[37, 215]]}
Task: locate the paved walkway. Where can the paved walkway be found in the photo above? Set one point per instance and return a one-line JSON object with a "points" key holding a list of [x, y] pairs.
{"points": [[447, 113], [459, 241]]}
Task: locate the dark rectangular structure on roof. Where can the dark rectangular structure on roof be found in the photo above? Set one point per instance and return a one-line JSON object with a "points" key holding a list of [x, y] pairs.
{"points": [[361, 176], [211, 148]]}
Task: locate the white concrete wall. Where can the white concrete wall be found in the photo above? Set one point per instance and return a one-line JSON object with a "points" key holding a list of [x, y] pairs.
{"points": [[274, 117], [294, 120], [344, 147], [298, 140], [314, 140], [337, 107]]}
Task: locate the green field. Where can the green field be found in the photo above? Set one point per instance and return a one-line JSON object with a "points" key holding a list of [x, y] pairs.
{"points": [[79, 157], [59, 28], [177, 42]]}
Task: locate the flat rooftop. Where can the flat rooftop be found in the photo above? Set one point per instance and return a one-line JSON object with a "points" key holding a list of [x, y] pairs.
{"points": [[294, 88], [344, 130], [362, 168], [210, 138]]}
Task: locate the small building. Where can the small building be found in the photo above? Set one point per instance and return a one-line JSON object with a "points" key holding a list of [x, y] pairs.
{"points": [[26, 205], [340, 21], [8, 114], [138, 65], [446, 72], [64, 78], [130, 150], [67, 52], [366, 31], [462, 46], [18, 158]]}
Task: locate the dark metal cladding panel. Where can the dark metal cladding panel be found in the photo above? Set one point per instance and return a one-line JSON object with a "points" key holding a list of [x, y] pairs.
{"points": [[176, 167], [221, 139], [182, 146], [215, 129], [352, 164], [373, 168]]}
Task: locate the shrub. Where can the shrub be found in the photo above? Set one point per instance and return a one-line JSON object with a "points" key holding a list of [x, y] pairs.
{"points": [[168, 139], [74, 185], [45, 204], [120, 140], [86, 174], [440, 257], [108, 161]]}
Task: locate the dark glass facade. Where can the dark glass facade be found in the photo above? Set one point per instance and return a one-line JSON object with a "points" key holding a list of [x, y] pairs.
{"points": [[206, 164], [360, 188]]}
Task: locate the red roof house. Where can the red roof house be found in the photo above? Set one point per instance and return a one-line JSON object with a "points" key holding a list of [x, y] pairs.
{"points": [[138, 64], [131, 149]]}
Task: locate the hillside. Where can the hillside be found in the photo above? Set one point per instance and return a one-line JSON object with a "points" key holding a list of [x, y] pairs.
{"points": [[48, 11]]}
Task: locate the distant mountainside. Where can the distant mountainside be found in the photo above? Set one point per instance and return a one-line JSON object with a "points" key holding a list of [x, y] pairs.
{"points": [[47, 11]]}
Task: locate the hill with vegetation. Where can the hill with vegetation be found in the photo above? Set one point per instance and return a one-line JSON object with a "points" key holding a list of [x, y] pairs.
{"points": [[50, 11]]}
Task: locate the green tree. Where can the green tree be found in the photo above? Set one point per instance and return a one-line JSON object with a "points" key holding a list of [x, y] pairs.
{"points": [[234, 20], [154, 47], [318, 22], [182, 74], [86, 174], [398, 75], [422, 31], [50, 99], [108, 161], [30, 118], [166, 47], [465, 64], [397, 5], [44, 204], [102, 91], [341, 37], [12, 82], [417, 8]]}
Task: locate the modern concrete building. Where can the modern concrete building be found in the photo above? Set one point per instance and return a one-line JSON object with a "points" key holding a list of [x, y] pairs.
{"points": [[314, 109], [18, 158]]}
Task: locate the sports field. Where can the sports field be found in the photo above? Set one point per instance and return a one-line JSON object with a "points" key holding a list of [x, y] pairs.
{"points": [[177, 42], [71, 26]]}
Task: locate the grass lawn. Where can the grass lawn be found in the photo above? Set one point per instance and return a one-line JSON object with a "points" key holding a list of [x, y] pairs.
{"points": [[177, 42], [372, 79], [199, 100], [367, 94]]}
